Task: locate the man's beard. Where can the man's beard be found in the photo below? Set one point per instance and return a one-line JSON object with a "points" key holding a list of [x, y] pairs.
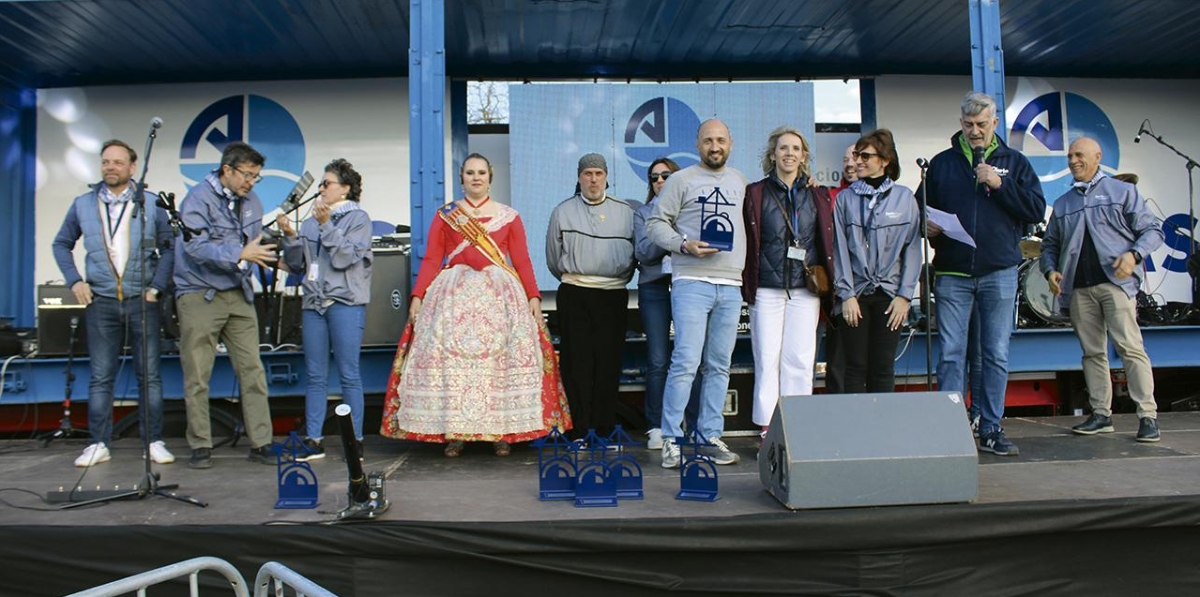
{"points": [[709, 160]]}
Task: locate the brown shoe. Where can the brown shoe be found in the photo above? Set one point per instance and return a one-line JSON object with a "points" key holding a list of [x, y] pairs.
{"points": [[501, 448], [453, 449]]}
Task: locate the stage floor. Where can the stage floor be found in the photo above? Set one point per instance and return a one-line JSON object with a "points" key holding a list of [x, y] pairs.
{"points": [[423, 485]]}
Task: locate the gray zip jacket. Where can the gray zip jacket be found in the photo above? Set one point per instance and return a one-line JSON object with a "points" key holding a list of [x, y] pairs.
{"points": [[649, 255], [1119, 221], [341, 250], [876, 247], [591, 240], [678, 212]]}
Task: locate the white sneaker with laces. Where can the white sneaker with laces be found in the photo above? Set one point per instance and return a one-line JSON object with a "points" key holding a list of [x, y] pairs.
{"points": [[655, 439], [670, 454], [159, 453], [93, 454], [719, 453]]}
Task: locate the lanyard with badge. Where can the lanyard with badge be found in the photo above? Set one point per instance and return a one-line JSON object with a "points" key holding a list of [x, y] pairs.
{"points": [[791, 218], [867, 213]]}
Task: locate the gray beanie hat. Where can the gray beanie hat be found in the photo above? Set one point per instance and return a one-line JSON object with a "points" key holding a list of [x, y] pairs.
{"points": [[592, 160]]}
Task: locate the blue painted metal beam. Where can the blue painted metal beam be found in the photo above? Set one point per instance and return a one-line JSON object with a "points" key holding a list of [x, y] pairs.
{"points": [[427, 129], [459, 138], [866, 105], [987, 56], [18, 151]]}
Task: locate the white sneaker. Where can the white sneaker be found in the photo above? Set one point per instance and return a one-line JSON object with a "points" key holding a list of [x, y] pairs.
{"points": [[719, 453], [670, 454], [93, 454], [655, 442], [159, 453]]}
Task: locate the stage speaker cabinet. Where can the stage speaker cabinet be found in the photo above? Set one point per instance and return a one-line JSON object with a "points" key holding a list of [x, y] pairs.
{"points": [[846, 450], [390, 286], [56, 307]]}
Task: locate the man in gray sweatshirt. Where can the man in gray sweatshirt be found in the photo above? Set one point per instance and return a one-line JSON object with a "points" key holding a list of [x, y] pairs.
{"points": [[698, 218], [589, 248]]}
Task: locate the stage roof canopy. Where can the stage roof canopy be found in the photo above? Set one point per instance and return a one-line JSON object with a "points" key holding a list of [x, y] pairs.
{"points": [[56, 43]]}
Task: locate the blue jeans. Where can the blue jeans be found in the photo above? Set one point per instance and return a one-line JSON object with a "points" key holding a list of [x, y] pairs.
{"points": [[706, 319], [654, 305], [339, 328], [995, 295], [110, 322]]}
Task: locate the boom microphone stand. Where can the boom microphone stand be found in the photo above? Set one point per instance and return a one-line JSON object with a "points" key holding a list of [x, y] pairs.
{"points": [[923, 164], [1189, 165], [149, 484]]}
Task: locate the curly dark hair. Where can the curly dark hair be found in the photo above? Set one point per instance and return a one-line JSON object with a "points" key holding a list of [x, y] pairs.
{"points": [[348, 176]]}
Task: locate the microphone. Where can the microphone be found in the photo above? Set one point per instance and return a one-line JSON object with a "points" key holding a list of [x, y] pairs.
{"points": [[156, 122], [922, 163], [1141, 130], [976, 156], [293, 202]]}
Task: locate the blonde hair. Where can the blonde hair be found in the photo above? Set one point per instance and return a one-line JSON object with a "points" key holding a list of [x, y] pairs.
{"points": [[768, 164]]}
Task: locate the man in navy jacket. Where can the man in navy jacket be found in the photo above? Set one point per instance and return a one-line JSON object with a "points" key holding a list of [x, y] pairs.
{"points": [[995, 193]]}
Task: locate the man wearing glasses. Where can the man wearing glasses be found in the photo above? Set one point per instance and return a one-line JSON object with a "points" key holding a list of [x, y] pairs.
{"points": [[995, 193], [215, 299]]}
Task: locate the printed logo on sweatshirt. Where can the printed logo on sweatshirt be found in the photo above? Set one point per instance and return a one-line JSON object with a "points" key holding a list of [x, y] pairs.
{"points": [[661, 127], [256, 120]]}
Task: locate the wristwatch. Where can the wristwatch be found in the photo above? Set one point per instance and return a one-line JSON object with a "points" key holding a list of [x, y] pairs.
{"points": [[1137, 258], [683, 248], [157, 293]]}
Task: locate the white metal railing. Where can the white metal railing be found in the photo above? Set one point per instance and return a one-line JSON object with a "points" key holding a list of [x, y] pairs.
{"points": [[274, 573], [189, 568]]}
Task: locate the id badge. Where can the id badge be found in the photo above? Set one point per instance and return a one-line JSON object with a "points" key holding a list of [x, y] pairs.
{"points": [[666, 264], [313, 272], [796, 253]]}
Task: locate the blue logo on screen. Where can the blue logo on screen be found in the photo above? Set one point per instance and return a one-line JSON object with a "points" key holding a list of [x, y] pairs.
{"points": [[259, 121], [661, 127], [1068, 116]]}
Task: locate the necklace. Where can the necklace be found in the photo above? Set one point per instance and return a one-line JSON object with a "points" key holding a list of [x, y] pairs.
{"points": [[476, 209]]}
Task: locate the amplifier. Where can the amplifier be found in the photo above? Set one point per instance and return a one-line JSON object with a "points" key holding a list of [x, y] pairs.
{"points": [[56, 310], [390, 286]]}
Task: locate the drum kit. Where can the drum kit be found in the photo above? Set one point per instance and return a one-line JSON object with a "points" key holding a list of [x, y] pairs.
{"points": [[1035, 301]]}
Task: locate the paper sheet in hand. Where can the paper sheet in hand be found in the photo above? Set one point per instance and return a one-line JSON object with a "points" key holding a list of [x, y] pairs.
{"points": [[950, 225]]}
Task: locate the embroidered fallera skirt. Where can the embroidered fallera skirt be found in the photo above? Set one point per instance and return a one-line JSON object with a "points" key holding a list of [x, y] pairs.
{"points": [[475, 365]]}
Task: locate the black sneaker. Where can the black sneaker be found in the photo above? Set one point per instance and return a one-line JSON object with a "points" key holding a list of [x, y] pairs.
{"points": [[1148, 430], [262, 455], [997, 444], [201, 458], [313, 450], [1093, 425], [974, 424]]}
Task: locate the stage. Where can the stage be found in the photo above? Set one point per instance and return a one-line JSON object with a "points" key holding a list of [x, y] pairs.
{"points": [[1072, 515]]}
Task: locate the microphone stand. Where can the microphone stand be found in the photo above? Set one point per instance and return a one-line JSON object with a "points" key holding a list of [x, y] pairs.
{"points": [[149, 484], [926, 290], [1189, 165], [65, 429]]}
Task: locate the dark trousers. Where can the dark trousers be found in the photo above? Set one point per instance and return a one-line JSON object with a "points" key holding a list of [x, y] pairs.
{"points": [[870, 348], [835, 358], [591, 326]]}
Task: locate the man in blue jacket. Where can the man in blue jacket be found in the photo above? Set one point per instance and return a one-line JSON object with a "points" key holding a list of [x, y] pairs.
{"points": [[1098, 236], [116, 291], [215, 299], [995, 193]]}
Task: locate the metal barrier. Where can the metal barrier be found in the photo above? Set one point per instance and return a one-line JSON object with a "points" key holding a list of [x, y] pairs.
{"points": [[189, 568], [285, 577]]}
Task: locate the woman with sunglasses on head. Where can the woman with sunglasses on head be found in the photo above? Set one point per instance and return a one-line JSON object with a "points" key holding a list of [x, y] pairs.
{"points": [[789, 229], [654, 305], [333, 253], [878, 262], [476, 363]]}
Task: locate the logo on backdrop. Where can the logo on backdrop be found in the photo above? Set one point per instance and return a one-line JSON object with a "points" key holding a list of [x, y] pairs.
{"points": [[257, 120], [661, 127], [1067, 117]]}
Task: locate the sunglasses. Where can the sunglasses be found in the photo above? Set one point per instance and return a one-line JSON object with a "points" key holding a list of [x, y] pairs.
{"points": [[325, 183], [654, 176], [865, 155]]}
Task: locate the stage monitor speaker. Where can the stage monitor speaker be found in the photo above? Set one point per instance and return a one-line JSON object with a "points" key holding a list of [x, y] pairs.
{"points": [[845, 450], [390, 286]]}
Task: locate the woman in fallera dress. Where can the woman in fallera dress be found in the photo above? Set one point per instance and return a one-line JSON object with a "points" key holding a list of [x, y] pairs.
{"points": [[475, 362]]}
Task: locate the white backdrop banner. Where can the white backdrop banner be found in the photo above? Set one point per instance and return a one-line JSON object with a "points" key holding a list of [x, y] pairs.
{"points": [[297, 125], [1044, 116]]}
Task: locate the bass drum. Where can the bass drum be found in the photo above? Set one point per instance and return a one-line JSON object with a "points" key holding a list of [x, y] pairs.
{"points": [[1037, 302]]}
